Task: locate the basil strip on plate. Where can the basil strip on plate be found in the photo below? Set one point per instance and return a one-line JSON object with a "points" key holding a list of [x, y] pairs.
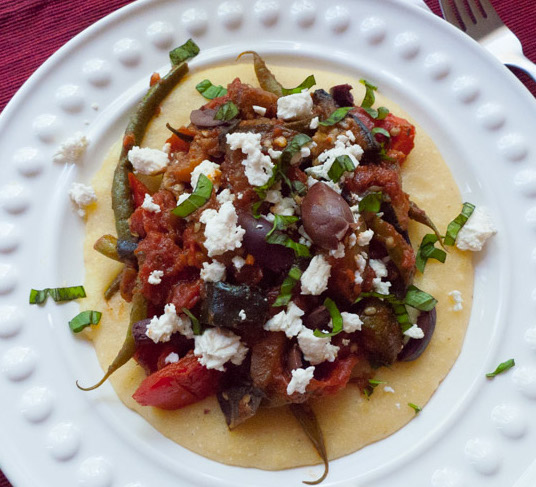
{"points": [[419, 299], [285, 293], [340, 165], [210, 91], [227, 111], [427, 250], [456, 225], [336, 116], [281, 222], [336, 320], [371, 202], [196, 326], [278, 238], [197, 199], [502, 368], [182, 53], [416, 408], [304, 85], [84, 319], [57, 294]]}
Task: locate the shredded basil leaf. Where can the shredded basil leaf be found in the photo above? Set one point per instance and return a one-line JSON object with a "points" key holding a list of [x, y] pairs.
{"points": [[256, 208], [369, 100], [196, 326], [456, 225], [295, 145], [261, 190], [419, 299], [336, 319], [299, 187], [278, 238], [502, 368], [210, 91], [416, 408], [340, 165], [336, 116], [380, 130], [371, 202], [227, 111], [281, 222], [304, 85], [427, 250], [57, 294], [197, 199], [285, 293], [84, 319], [182, 53], [372, 384]]}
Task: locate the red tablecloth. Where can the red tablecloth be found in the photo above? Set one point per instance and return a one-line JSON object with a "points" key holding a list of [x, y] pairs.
{"points": [[31, 30]]}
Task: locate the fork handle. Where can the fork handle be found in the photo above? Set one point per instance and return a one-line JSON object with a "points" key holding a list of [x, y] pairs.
{"points": [[522, 63]]}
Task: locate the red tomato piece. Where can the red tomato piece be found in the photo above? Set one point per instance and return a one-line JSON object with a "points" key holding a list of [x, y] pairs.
{"points": [[139, 190], [178, 385]]}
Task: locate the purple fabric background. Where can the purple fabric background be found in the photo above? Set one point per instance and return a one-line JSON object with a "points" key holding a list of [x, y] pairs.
{"points": [[32, 30]]}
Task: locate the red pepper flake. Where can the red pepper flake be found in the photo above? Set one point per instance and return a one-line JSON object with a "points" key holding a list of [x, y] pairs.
{"points": [[155, 78]]}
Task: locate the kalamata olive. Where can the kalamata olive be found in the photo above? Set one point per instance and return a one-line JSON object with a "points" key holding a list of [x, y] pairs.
{"points": [[415, 347], [342, 96], [294, 359], [138, 332], [318, 318], [269, 256], [326, 216], [205, 118]]}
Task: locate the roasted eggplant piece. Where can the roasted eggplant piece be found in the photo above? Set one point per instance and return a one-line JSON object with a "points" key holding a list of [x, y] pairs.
{"points": [[415, 347], [224, 303]]}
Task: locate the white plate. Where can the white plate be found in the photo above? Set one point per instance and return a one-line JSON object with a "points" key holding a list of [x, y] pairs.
{"points": [[474, 432]]}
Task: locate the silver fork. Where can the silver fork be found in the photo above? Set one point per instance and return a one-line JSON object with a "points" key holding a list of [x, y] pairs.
{"points": [[478, 19]]}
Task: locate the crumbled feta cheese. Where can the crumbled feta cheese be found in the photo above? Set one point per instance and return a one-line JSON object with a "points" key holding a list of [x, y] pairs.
{"points": [[155, 277], [259, 110], [210, 169], [478, 228], [224, 196], [345, 342], [148, 161], [213, 272], [316, 349], [334, 186], [222, 232], [274, 196], [456, 299], [361, 263], [270, 217], [287, 207], [149, 205], [82, 196], [172, 358], [166, 148], [314, 123], [161, 328], [238, 262], [365, 237], [339, 252], [352, 240], [351, 322], [315, 279], [303, 233], [95, 106], [300, 380], [274, 154], [389, 389], [343, 147], [182, 198], [297, 105], [71, 149], [217, 346], [258, 166], [380, 270], [414, 332], [242, 315], [288, 321]]}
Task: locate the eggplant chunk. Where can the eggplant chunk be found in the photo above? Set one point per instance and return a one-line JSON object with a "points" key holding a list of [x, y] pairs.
{"points": [[365, 138], [380, 335], [225, 305], [415, 347], [239, 403]]}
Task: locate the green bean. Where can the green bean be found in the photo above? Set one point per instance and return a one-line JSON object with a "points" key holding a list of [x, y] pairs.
{"points": [[266, 79], [138, 312], [122, 203], [307, 419], [107, 246], [114, 286]]}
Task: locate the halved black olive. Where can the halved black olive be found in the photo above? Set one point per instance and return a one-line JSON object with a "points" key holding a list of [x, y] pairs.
{"points": [[415, 347]]}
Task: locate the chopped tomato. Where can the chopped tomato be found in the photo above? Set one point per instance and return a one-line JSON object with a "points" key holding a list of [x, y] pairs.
{"points": [[402, 133], [178, 385], [139, 190]]}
